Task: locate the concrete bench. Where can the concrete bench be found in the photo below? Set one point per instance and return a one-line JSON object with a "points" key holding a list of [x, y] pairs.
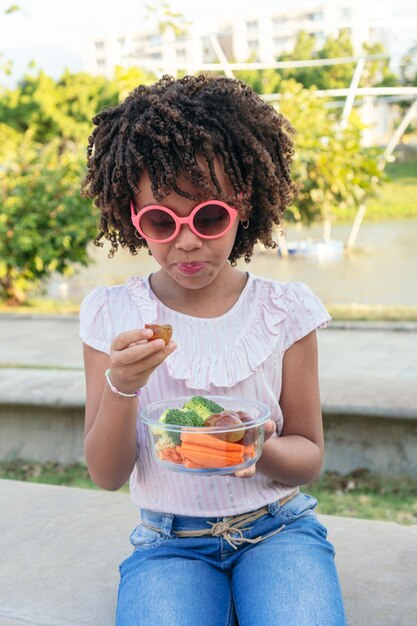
{"points": [[60, 549]]}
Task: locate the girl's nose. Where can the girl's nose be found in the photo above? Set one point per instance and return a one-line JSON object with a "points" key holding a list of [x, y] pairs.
{"points": [[187, 240]]}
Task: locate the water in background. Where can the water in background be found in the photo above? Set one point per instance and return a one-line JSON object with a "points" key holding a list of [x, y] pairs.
{"points": [[382, 269]]}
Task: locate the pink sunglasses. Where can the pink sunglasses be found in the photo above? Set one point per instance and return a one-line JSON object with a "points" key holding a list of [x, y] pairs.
{"points": [[208, 220]]}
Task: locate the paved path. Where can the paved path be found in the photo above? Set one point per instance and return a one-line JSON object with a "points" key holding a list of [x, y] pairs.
{"points": [[363, 367], [62, 547]]}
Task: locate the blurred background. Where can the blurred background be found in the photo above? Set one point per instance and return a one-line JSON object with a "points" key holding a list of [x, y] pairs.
{"points": [[345, 73]]}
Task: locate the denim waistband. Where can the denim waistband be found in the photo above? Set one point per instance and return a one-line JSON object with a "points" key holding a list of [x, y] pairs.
{"points": [[165, 522]]}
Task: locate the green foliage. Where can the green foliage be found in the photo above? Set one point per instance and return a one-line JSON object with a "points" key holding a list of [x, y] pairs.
{"points": [[167, 18], [261, 81], [377, 73], [128, 78], [408, 67], [52, 109], [12, 9], [44, 224], [330, 165], [325, 76], [339, 76], [408, 78]]}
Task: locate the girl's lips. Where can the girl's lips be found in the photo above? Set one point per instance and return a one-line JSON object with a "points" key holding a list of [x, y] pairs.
{"points": [[190, 268]]}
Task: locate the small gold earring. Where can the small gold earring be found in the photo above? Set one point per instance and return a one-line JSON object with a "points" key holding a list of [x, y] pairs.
{"points": [[245, 224]]}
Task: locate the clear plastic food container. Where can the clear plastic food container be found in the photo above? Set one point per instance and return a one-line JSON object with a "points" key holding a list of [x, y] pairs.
{"points": [[232, 444]]}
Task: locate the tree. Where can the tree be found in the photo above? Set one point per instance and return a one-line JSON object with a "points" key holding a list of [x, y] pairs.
{"points": [[376, 72], [408, 67], [325, 76], [167, 18], [330, 164], [44, 224], [6, 66], [261, 81], [61, 108], [408, 78]]}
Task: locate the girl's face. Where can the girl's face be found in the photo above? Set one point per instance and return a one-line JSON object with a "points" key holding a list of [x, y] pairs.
{"points": [[192, 262]]}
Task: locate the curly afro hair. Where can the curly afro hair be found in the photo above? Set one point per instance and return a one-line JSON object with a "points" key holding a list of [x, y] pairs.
{"points": [[161, 128]]}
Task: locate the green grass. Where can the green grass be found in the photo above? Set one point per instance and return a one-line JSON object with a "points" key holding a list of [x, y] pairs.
{"points": [[364, 495], [372, 313], [50, 473], [35, 306], [359, 494], [397, 199]]}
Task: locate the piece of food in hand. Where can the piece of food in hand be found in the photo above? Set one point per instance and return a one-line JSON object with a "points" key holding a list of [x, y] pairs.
{"points": [[226, 419], [203, 406], [160, 331], [180, 417]]}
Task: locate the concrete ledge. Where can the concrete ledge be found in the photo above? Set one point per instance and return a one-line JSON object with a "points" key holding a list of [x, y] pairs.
{"points": [[355, 438], [61, 548]]}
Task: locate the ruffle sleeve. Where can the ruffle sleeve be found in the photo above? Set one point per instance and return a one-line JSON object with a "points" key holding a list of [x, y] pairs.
{"points": [[305, 312], [96, 329]]}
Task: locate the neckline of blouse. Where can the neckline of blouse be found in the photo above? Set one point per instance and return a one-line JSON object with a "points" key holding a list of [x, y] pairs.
{"points": [[232, 309]]}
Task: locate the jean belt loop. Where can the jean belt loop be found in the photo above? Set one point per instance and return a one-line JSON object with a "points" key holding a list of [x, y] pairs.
{"points": [[276, 506], [273, 507], [166, 524]]}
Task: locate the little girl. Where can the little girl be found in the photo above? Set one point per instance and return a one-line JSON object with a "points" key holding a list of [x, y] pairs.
{"points": [[197, 171]]}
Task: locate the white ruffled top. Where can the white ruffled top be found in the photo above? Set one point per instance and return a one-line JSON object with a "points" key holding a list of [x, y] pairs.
{"points": [[238, 353]]}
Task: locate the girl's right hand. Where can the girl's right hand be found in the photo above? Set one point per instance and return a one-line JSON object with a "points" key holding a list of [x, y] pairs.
{"points": [[133, 358]]}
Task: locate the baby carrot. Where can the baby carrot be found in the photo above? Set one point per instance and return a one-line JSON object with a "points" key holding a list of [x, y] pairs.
{"points": [[201, 439], [237, 456], [208, 460]]}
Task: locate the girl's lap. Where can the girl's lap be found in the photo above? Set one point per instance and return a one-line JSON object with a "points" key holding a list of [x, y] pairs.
{"points": [[288, 578]]}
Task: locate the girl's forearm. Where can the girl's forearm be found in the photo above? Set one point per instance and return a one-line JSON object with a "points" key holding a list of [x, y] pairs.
{"points": [[292, 460], [110, 444]]}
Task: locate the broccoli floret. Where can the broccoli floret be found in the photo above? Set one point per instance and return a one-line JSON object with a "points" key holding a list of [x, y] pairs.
{"points": [[180, 417], [203, 406]]}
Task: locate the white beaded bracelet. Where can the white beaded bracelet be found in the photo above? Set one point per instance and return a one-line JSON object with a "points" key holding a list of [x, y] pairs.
{"points": [[114, 389]]}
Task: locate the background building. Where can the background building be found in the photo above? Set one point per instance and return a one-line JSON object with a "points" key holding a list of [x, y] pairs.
{"points": [[257, 37]]}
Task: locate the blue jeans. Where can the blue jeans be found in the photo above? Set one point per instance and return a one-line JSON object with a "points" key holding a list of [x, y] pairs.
{"points": [[288, 579]]}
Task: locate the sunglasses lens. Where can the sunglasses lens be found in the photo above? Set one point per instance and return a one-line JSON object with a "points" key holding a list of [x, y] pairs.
{"points": [[157, 224], [211, 219]]}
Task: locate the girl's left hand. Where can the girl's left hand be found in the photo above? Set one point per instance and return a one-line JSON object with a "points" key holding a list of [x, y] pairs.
{"points": [[270, 429]]}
